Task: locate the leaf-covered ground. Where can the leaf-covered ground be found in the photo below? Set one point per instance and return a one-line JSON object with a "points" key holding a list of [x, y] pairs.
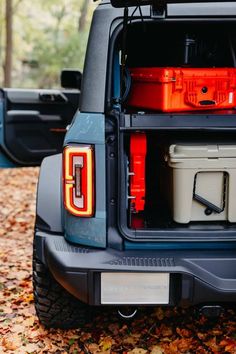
{"points": [[154, 331]]}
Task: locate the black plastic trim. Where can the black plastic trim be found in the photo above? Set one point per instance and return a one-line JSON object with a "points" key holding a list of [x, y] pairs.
{"points": [[220, 121], [195, 278], [113, 236], [49, 195]]}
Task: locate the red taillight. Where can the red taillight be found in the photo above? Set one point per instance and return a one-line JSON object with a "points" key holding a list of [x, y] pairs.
{"points": [[78, 166]]}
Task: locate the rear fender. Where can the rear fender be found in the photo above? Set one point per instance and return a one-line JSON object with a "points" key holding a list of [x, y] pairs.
{"points": [[49, 196], [49, 203]]}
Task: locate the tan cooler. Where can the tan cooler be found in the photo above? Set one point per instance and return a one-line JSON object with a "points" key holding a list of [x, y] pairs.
{"points": [[204, 182]]}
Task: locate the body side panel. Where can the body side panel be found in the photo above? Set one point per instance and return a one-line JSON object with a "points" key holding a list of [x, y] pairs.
{"points": [[90, 129]]}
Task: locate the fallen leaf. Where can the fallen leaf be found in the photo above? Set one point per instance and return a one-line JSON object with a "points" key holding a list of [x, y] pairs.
{"points": [[106, 343], [138, 351], [11, 344], [157, 350]]}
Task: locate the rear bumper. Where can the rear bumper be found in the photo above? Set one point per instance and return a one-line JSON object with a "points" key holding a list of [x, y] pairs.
{"points": [[196, 276]]}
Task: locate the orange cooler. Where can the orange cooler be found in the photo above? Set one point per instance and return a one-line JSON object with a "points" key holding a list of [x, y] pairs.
{"points": [[182, 89]]}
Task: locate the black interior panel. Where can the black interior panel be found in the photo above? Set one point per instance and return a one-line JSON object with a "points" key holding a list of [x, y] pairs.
{"points": [[210, 45], [35, 122], [128, 3]]}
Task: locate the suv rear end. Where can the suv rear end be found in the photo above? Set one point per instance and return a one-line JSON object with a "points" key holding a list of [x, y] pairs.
{"points": [[100, 242]]}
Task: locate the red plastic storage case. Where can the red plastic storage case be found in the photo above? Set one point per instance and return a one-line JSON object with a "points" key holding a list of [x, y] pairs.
{"points": [[138, 151], [182, 89]]}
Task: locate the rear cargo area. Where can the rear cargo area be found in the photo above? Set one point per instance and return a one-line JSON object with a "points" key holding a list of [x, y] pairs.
{"points": [[177, 161], [169, 193]]}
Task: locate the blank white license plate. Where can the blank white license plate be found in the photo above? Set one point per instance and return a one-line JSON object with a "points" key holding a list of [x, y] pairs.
{"points": [[135, 288]]}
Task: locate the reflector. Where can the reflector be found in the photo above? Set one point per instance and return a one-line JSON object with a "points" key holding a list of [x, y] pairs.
{"points": [[78, 172]]}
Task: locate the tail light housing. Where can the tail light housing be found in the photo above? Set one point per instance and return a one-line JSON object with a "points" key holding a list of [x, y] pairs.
{"points": [[78, 180]]}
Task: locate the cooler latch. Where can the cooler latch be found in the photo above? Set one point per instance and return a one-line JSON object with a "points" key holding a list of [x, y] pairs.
{"points": [[210, 207]]}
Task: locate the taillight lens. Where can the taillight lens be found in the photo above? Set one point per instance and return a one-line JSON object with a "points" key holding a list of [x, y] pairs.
{"points": [[78, 169]]}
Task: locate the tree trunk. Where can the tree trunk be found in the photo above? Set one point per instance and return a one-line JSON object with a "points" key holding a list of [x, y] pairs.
{"points": [[83, 16], [9, 44]]}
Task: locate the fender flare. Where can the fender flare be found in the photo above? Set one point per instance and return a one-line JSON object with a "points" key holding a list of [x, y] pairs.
{"points": [[49, 196]]}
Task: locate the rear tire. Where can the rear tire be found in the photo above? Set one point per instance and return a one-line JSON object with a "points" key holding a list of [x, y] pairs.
{"points": [[55, 307]]}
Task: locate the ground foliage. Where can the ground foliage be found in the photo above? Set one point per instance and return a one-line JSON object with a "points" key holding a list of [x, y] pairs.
{"points": [[155, 331]]}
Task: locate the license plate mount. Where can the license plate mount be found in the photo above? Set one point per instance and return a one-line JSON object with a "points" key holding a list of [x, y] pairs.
{"points": [[124, 288]]}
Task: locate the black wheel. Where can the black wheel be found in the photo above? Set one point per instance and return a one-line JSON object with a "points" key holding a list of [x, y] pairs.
{"points": [[55, 307]]}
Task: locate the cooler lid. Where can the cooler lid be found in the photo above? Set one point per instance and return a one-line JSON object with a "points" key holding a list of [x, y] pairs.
{"points": [[182, 151], [156, 3]]}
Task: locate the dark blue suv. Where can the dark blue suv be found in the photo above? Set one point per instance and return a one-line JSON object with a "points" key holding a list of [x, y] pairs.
{"points": [[91, 248]]}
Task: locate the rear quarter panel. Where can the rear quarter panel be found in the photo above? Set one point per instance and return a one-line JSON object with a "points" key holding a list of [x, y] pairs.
{"points": [[89, 128]]}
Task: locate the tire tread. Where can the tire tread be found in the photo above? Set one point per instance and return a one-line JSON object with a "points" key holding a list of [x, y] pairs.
{"points": [[55, 307]]}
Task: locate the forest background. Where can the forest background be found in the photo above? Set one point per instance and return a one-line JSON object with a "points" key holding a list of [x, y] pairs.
{"points": [[39, 38]]}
